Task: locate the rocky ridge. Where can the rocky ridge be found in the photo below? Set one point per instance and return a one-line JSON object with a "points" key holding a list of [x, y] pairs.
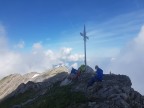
{"points": [[114, 91], [16, 81]]}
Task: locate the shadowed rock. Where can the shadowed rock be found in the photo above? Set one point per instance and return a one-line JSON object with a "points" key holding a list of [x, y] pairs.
{"points": [[114, 91]]}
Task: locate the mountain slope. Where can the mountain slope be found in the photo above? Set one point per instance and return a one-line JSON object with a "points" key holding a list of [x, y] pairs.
{"points": [[10, 83], [113, 92]]}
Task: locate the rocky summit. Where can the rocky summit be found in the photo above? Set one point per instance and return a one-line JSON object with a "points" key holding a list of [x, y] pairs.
{"points": [[55, 90]]}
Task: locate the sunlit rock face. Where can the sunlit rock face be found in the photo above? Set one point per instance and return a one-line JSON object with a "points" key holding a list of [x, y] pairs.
{"points": [[10, 83]]}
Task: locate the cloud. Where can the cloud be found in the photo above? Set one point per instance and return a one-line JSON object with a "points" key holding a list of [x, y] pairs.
{"points": [[38, 58], [66, 55], [8, 61], [20, 45], [3, 39], [75, 57], [117, 30], [37, 45], [66, 51], [139, 41], [130, 61], [50, 54], [75, 65]]}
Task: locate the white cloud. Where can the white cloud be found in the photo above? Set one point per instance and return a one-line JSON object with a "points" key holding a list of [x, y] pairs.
{"points": [[8, 61], [139, 41], [2, 30], [37, 45], [3, 39], [75, 65], [66, 51], [21, 44], [76, 57], [17, 62], [66, 55], [50, 54], [38, 59], [102, 62], [117, 30], [130, 61]]}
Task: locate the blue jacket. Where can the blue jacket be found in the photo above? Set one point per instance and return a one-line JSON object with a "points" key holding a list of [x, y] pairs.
{"points": [[74, 71], [99, 74]]}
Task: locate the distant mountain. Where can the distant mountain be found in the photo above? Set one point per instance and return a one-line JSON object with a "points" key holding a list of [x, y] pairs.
{"points": [[53, 89], [10, 83]]}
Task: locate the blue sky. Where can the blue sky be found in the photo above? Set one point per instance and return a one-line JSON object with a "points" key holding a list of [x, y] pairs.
{"points": [[36, 34], [52, 21]]}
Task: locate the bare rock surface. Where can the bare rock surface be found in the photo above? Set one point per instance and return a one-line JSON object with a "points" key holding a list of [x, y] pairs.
{"points": [[31, 80], [114, 91]]}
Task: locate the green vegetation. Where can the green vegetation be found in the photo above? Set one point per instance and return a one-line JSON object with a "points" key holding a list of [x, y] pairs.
{"points": [[14, 100], [57, 97]]}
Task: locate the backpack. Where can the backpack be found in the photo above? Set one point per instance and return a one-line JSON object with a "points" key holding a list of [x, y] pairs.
{"points": [[82, 68]]}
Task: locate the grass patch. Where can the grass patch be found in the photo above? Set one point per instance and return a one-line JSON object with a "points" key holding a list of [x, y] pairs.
{"points": [[56, 97], [14, 100], [59, 97]]}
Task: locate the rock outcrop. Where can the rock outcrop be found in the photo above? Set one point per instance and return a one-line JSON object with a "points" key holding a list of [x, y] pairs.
{"points": [[114, 91], [16, 83]]}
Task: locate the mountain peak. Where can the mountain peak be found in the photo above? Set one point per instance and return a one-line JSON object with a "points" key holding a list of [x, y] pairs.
{"points": [[53, 88]]}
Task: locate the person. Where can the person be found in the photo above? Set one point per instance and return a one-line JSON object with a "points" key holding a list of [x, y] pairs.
{"points": [[99, 73], [73, 74], [97, 78], [80, 71]]}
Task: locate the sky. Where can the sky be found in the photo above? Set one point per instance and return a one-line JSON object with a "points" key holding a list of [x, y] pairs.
{"points": [[37, 34]]}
